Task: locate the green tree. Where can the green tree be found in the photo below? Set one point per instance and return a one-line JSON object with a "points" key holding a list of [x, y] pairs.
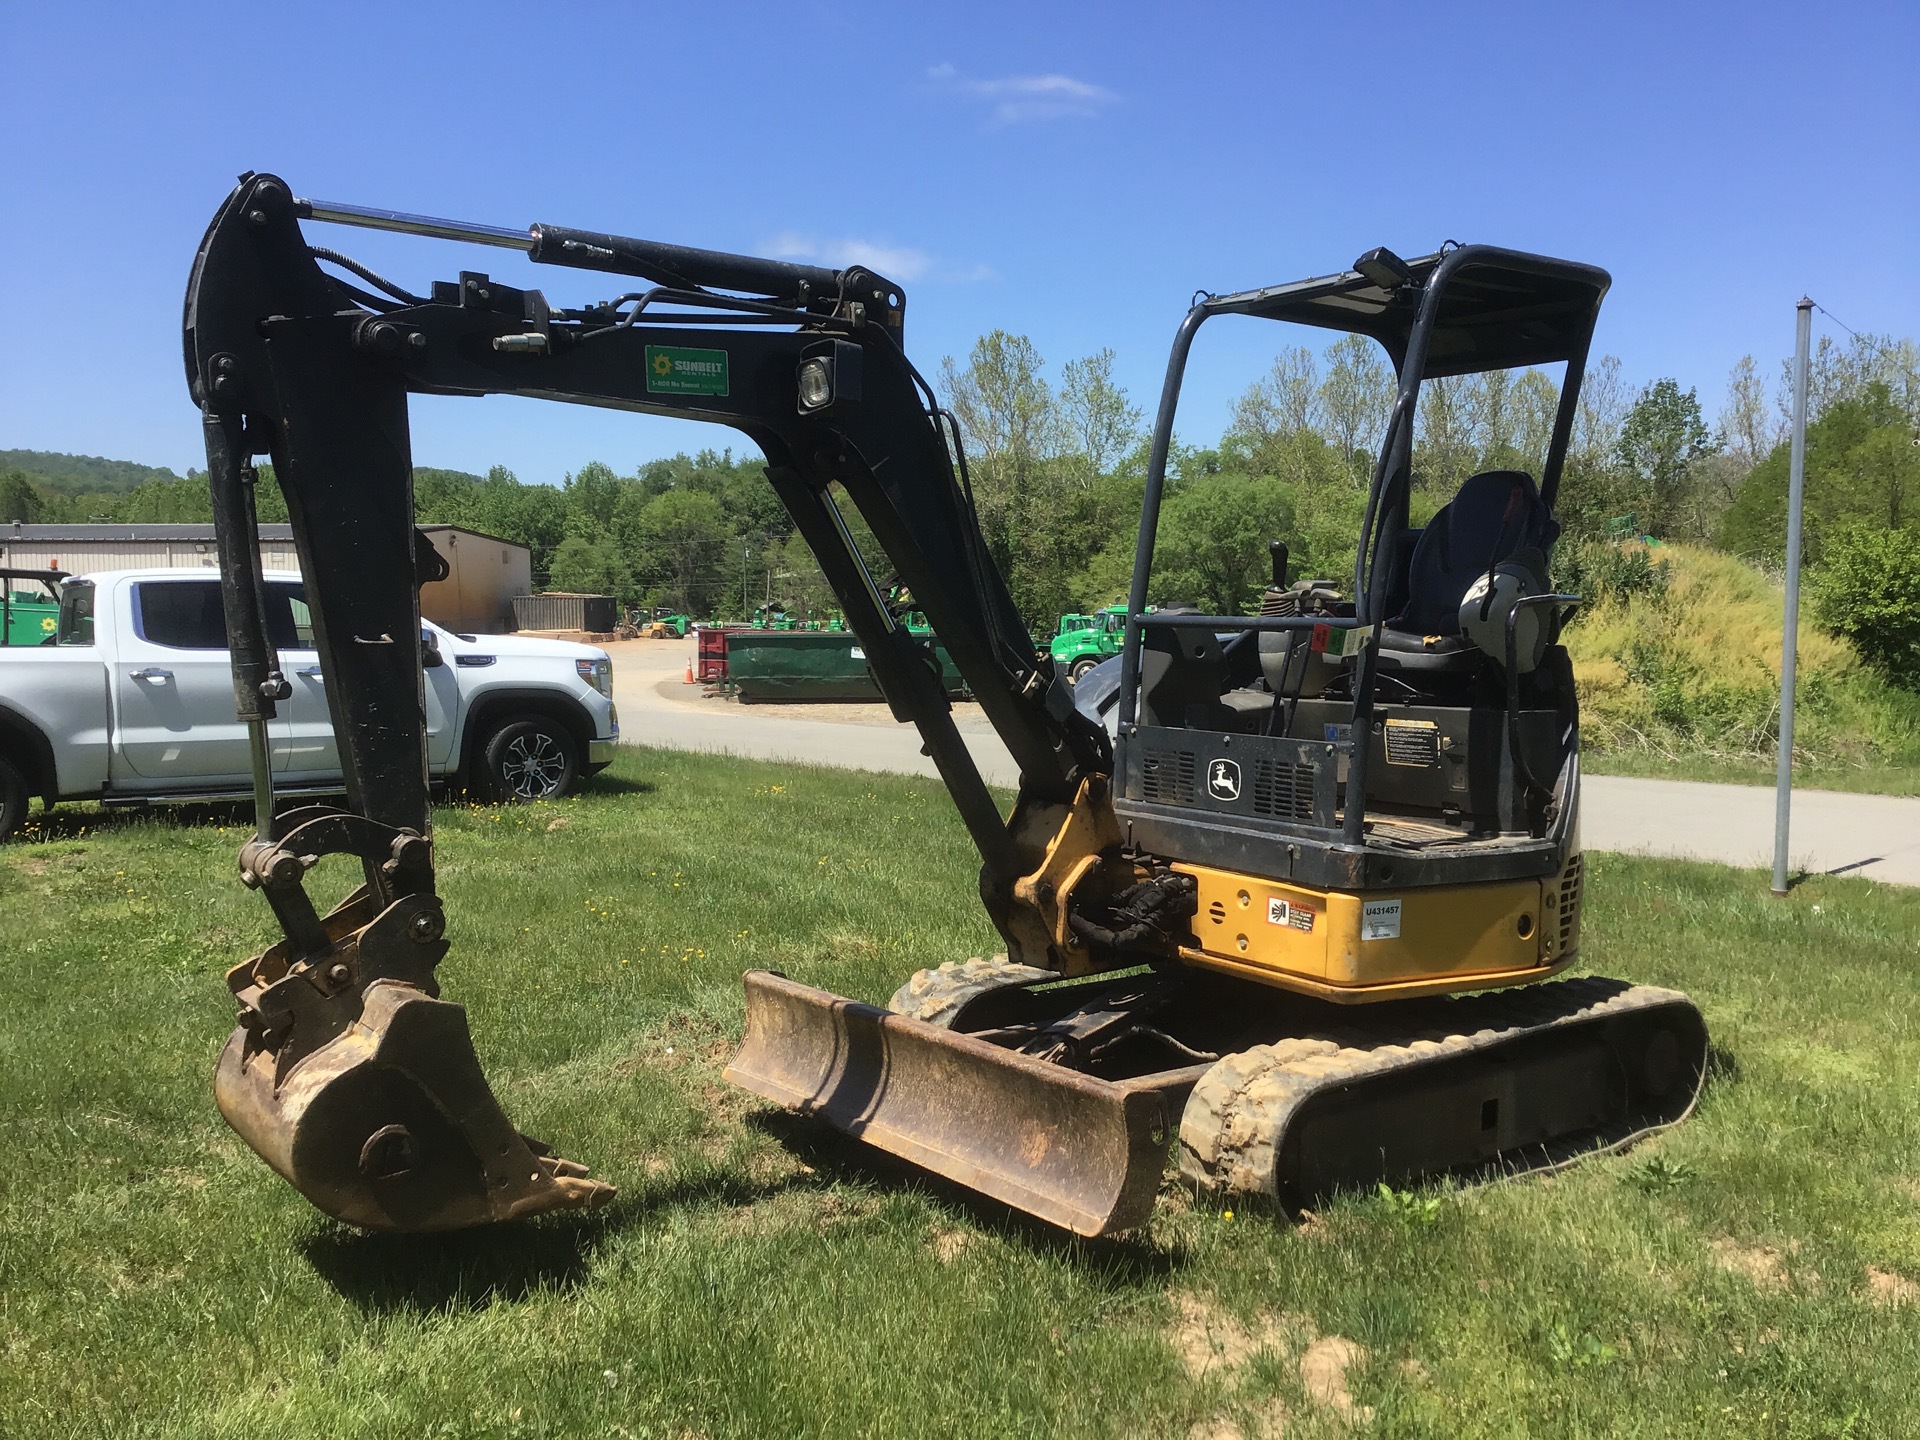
{"points": [[173, 502], [1102, 423], [1211, 549], [591, 564], [1284, 401], [1535, 401], [1277, 425], [1747, 430], [796, 581], [1661, 441], [1862, 468], [1594, 487], [1048, 474], [682, 549], [1444, 452], [593, 491], [1867, 588], [20, 500], [1007, 416], [1355, 398]]}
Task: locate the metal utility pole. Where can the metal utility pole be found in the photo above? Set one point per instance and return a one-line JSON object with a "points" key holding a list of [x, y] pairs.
{"points": [[1790, 631]]}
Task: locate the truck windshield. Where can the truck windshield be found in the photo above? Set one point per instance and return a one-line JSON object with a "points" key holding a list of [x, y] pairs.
{"points": [[76, 613]]}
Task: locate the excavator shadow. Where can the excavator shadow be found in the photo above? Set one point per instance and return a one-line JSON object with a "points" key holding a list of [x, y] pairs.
{"points": [[72, 823], [1133, 1258], [459, 1270], [1723, 1068]]}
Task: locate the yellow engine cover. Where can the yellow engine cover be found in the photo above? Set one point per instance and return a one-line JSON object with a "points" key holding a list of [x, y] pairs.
{"points": [[1387, 945]]}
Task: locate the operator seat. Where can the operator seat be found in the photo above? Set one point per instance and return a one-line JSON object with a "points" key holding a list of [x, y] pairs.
{"points": [[1495, 516]]}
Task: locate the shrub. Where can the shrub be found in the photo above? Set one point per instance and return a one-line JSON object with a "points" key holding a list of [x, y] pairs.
{"points": [[1599, 571], [1867, 588]]}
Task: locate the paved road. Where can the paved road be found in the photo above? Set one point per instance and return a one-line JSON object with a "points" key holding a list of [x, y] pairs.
{"points": [[1875, 836]]}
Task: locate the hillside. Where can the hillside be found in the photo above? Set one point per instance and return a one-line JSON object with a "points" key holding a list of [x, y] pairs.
{"points": [[64, 474], [1684, 677]]}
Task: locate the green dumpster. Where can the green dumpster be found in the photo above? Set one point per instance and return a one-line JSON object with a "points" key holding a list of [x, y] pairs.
{"points": [[816, 665]]}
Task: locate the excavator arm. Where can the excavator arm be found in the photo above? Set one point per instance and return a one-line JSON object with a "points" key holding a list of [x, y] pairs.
{"points": [[347, 1072]]}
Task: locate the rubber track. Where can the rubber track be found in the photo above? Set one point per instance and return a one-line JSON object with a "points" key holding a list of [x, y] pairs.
{"points": [[1236, 1119], [936, 996]]}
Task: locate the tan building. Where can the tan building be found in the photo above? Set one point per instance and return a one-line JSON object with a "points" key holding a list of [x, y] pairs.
{"points": [[486, 572]]}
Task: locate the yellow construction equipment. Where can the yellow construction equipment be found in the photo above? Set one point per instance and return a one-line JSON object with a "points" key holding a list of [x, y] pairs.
{"points": [[1277, 887]]}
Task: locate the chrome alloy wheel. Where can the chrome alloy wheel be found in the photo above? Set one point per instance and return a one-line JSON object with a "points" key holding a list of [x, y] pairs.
{"points": [[533, 767]]}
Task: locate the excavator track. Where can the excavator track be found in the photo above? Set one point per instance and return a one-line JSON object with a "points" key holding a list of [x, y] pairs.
{"points": [[1506, 1082]]}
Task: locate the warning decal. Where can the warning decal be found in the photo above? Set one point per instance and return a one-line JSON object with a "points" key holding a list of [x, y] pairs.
{"points": [[1413, 742], [1380, 920], [1282, 912]]}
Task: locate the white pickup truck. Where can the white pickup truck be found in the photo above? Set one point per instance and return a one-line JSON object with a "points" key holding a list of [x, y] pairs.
{"points": [[131, 700]]}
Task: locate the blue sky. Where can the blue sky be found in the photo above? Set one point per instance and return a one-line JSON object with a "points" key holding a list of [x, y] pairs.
{"points": [[1074, 173]]}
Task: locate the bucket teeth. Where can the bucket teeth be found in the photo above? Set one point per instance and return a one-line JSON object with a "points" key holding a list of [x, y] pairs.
{"points": [[369, 1100]]}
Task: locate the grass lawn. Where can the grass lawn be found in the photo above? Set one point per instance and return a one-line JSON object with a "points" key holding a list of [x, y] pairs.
{"points": [[1754, 1273]]}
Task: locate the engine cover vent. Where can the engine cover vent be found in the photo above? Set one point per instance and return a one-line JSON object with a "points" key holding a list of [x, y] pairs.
{"points": [[1283, 789], [1166, 776]]}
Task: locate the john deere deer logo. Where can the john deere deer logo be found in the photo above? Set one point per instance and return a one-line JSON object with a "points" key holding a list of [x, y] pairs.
{"points": [[1223, 780]]}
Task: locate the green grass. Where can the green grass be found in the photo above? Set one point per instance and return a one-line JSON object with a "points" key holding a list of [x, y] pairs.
{"points": [[1867, 779], [759, 1278]]}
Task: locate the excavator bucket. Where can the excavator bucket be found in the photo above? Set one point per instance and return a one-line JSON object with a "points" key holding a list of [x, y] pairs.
{"points": [[1084, 1153], [362, 1089]]}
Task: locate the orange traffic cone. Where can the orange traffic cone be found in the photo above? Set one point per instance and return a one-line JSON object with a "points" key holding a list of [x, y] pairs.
{"points": [[689, 672]]}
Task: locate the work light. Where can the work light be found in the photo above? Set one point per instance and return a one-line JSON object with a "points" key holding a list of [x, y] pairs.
{"points": [[816, 383], [829, 376]]}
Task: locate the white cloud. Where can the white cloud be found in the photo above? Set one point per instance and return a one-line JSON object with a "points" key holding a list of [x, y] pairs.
{"points": [[1017, 98], [896, 262]]}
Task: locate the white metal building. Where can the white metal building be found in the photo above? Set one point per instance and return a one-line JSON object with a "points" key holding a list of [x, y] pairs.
{"points": [[486, 572]]}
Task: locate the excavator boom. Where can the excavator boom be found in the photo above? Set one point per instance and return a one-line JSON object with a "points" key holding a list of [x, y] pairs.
{"points": [[347, 1072]]}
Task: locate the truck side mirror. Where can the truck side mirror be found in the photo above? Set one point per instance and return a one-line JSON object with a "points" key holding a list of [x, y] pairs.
{"points": [[430, 656]]}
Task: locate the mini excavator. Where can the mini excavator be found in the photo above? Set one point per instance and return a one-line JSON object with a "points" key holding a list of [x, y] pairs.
{"points": [[1276, 890]]}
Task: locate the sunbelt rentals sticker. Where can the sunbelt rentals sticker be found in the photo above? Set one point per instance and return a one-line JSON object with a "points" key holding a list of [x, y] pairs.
{"points": [[679, 370]]}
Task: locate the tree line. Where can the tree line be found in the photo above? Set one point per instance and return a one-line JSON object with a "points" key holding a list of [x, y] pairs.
{"points": [[1057, 468]]}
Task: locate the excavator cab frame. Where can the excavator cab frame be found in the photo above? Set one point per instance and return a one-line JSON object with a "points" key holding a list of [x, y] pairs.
{"points": [[1052, 1078], [1468, 310]]}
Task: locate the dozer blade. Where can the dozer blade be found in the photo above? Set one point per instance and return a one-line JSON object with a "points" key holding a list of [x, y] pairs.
{"points": [[363, 1092], [1083, 1153]]}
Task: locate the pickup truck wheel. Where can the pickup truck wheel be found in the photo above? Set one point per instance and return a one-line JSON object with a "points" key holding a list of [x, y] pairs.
{"points": [[13, 798], [1081, 667], [529, 757]]}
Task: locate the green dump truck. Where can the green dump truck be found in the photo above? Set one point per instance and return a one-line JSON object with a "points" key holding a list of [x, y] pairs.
{"points": [[29, 605], [1083, 641]]}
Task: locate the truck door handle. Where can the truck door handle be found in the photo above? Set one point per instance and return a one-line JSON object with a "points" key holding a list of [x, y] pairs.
{"points": [[152, 672], [310, 672]]}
